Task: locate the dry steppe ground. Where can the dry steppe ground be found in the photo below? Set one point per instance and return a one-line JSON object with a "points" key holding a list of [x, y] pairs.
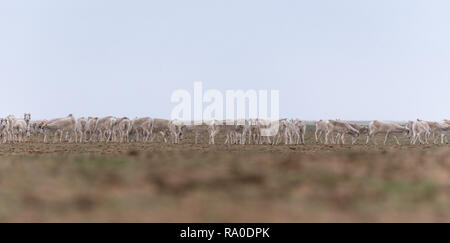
{"points": [[159, 182]]}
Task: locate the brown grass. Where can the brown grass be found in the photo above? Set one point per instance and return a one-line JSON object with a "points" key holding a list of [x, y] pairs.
{"points": [[220, 183]]}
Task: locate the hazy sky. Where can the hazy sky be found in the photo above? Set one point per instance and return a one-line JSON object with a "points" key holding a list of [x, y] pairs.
{"points": [[356, 60]]}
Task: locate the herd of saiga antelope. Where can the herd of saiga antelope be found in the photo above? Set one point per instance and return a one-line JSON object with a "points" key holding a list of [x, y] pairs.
{"points": [[292, 131]]}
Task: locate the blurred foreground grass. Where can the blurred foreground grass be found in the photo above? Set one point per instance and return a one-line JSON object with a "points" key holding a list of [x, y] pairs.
{"points": [[201, 183]]}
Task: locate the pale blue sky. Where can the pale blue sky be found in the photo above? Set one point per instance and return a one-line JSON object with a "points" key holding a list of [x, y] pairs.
{"points": [[348, 59]]}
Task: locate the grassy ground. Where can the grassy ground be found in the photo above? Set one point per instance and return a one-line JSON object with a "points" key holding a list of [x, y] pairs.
{"points": [[222, 183]]}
